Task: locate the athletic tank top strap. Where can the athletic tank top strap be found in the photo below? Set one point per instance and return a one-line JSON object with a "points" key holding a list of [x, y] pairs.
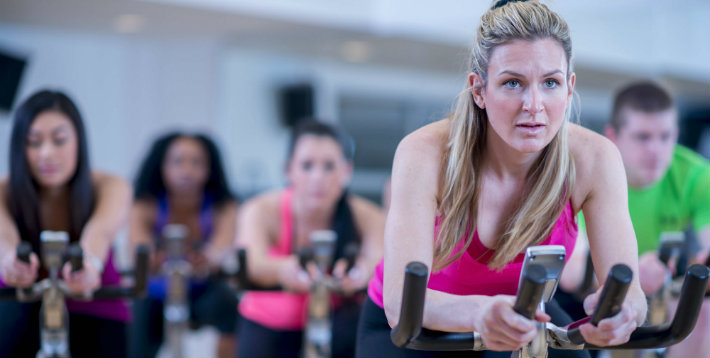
{"points": [[278, 310], [470, 275], [206, 219], [161, 218], [285, 244]]}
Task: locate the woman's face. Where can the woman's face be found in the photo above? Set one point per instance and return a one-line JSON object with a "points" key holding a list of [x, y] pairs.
{"points": [[318, 171], [52, 149], [186, 166], [526, 94]]}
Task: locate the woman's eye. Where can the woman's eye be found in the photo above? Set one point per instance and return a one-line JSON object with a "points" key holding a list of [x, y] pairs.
{"points": [[59, 141], [34, 143], [512, 83], [307, 166], [329, 166], [551, 83]]}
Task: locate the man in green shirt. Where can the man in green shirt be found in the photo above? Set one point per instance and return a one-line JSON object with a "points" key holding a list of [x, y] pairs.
{"points": [[669, 190]]}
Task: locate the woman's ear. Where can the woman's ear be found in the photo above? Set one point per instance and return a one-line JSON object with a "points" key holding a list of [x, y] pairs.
{"points": [[348, 174], [570, 87], [477, 86]]}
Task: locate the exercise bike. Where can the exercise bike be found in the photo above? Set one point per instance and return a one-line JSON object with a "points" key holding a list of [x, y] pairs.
{"points": [[537, 283], [54, 318], [317, 335]]}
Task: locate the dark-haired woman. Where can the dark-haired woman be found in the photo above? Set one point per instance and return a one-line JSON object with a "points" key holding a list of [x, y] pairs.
{"points": [[275, 225], [52, 187], [182, 181]]}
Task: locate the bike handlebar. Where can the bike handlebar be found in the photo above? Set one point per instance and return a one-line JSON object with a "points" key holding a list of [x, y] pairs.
{"points": [[612, 296], [24, 249], [664, 335], [75, 257], [531, 290], [408, 333], [140, 284]]}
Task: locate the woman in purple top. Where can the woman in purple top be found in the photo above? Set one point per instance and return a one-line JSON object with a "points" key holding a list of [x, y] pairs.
{"points": [[506, 170], [182, 181], [52, 187]]}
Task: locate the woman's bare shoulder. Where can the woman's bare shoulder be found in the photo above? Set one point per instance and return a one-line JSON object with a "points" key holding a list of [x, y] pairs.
{"points": [[362, 206], [108, 181], [263, 209], [594, 157], [589, 147], [425, 145], [431, 136]]}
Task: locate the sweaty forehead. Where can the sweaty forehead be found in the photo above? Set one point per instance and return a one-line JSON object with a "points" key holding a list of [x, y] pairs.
{"points": [[309, 144], [50, 122], [528, 57]]}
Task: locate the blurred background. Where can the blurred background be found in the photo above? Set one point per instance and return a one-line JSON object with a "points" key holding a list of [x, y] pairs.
{"points": [[245, 70]]}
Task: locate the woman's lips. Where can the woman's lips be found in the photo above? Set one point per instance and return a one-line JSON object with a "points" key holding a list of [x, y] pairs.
{"points": [[531, 128], [48, 170]]}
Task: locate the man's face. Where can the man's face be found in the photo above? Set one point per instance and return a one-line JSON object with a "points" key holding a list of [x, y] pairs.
{"points": [[646, 142]]}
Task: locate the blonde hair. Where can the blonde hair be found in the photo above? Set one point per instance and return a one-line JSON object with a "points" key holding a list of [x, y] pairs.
{"points": [[550, 180]]}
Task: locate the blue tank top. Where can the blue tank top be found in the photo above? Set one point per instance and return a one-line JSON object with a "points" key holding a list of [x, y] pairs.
{"points": [[157, 285]]}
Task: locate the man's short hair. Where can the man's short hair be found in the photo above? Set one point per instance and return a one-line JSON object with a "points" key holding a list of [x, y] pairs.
{"points": [[645, 96]]}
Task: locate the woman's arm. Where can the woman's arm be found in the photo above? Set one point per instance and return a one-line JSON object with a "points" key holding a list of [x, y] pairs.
{"points": [[602, 191], [113, 202], [14, 272], [254, 220], [140, 230], [370, 222], [409, 236], [220, 244]]}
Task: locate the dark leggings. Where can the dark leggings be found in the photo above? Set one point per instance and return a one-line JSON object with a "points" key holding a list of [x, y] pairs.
{"points": [[212, 304], [88, 336], [373, 337], [255, 340]]}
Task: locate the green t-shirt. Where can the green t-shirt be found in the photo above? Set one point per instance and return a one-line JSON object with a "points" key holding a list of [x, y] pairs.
{"points": [[680, 198]]}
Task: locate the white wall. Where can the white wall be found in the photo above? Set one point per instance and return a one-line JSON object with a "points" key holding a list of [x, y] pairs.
{"points": [[129, 89]]}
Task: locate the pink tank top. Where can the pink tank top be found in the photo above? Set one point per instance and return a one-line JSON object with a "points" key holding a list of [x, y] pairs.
{"points": [[470, 275], [278, 310]]}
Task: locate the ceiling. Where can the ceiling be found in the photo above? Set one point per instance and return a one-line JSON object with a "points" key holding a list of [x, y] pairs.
{"points": [[385, 33]]}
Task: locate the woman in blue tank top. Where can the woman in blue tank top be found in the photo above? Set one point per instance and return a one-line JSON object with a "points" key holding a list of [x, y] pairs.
{"points": [[182, 181]]}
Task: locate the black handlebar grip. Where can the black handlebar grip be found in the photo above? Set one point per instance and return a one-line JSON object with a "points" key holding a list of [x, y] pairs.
{"points": [[141, 270], [305, 255], [588, 281], [24, 249], [530, 292], [691, 299], [666, 253], [613, 294], [76, 257], [411, 313], [350, 253], [243, 273]]}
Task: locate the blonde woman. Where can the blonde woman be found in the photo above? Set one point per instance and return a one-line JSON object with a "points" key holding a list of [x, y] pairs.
{"points": [[505, 171]]}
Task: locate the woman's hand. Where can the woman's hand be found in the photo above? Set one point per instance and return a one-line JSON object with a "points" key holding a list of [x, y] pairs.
{"points": [[199, 262], [292, 277], [503, 329], [84, 281], [353, 280], [16, 273], [610, 331]]}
